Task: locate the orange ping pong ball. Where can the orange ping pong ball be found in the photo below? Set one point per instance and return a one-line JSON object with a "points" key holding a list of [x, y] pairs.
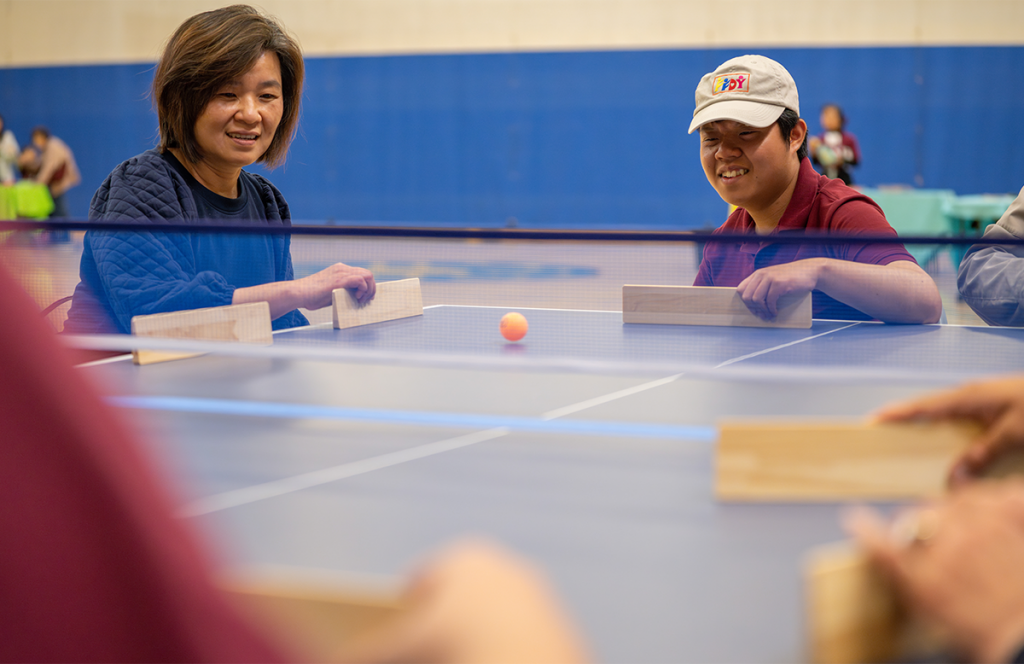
{"points": [[513, 326]]}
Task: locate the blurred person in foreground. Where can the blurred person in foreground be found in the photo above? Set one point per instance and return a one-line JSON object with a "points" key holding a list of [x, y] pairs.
{"points": [[958, 561], [991, 277], [49, 161], [227, 91], [9, 152], [754, 153], [97, 568]]}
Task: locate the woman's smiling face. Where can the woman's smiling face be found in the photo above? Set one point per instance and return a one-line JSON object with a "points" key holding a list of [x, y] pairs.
{"points": [[239, 122]]}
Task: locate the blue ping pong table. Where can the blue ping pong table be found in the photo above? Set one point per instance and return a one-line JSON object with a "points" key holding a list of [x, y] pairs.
{"points": [[588, 447]]}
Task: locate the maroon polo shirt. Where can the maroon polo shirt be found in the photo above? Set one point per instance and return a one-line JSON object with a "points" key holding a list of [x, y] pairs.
{"points": [[94, 566], [819, 205]]}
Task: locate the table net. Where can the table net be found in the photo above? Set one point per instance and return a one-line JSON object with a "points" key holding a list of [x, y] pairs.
{"points": [[568, 284]]}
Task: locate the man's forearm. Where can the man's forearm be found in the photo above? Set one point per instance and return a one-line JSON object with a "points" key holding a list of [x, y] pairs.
{"points": [[899, 292]]}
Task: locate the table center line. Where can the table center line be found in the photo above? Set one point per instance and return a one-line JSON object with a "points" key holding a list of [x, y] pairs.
{"points": [[257, 492], [607, 398]]}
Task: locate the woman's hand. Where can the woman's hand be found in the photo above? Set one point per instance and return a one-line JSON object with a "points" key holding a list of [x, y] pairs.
{"points": [[312, 292], [315, 290]]}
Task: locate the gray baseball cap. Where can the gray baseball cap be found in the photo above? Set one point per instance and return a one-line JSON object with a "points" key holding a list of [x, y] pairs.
{"points": [[751, 89]]}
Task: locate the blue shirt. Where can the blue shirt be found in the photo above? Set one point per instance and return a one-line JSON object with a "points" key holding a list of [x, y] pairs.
{"points": [[126, 274], [243, 259]]}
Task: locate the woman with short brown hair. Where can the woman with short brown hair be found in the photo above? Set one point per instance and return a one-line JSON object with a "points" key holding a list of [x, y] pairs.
{"points": [[210, 50], [227, 92]]}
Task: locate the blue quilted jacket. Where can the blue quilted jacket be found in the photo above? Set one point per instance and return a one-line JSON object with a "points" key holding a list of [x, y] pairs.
{"points": [[125, 274]]}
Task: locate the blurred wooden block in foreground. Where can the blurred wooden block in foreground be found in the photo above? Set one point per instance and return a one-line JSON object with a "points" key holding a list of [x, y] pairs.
{"points": [[705, 305], [311, 614], [778, 461], [854, 614], [245, 323], [394, 300]]}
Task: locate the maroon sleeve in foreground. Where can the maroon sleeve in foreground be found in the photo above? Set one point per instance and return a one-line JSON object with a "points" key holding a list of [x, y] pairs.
{"points": [[93, 565]]}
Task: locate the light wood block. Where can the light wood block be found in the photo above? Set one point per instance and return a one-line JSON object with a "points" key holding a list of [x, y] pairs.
{"points": [[310, 615], [853, 612], [245, 323], [772, 461], [394, 300], [702, 305]]}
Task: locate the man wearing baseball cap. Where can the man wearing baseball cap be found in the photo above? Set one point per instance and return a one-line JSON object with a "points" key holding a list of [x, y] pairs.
{"points": [[754, 153]]}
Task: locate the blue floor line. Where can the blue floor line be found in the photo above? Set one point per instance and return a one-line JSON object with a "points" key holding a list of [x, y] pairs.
{"points": [[415, 418]]}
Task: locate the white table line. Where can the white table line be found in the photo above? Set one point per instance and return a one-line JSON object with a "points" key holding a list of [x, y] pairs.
{"points": [[272, 489]]}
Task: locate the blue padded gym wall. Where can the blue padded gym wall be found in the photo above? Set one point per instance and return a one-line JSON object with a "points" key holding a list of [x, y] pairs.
{"points": [[568, 139]]}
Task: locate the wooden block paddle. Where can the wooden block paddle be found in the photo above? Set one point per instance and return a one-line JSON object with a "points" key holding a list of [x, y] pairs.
{"points": [[394, 300], [854, 615], [245, 323], [771, 461], [703, 305], [310, 614]]}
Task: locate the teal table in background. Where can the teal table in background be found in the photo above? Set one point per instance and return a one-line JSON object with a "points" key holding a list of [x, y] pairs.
{"points": [[970, 215], [938, 213], [919, 212]]}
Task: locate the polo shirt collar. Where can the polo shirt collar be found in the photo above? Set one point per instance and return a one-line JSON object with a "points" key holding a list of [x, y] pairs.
{"points": [[798, 210], [795, 216]]}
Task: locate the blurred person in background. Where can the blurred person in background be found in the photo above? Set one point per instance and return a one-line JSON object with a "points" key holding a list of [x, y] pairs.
{"points": [[48, 160], [835, 150], [9, 152]]}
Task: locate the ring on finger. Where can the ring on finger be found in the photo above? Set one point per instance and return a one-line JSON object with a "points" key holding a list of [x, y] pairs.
{"points": [[916, 527]]}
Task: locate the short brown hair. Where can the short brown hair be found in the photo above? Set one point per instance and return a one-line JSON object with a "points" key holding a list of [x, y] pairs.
{"points": [[209, 50]]}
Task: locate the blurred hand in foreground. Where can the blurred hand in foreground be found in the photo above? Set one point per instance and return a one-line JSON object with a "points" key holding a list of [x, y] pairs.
{"points": [[997, 405], [474, 602], [958, 563]]}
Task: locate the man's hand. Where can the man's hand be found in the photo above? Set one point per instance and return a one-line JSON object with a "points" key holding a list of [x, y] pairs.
{"points": [[762, 289], [998, 405], [475, 603], [963, 569]]}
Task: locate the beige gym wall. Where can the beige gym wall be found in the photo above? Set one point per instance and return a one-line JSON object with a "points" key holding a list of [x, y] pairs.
{"points": [[59, 32]]}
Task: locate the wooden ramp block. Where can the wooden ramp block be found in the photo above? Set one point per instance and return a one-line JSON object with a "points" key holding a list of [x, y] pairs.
{"points": [[827, 461], [310, 614], [394, 300], [853, 612], [246, 323], [702, 305]]}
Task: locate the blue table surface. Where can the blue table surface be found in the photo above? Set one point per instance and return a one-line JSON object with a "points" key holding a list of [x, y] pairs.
{"points": [[603, 477]]}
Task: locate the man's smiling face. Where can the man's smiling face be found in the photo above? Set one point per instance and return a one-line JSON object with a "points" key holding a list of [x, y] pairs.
{"points": [[749, 167]]}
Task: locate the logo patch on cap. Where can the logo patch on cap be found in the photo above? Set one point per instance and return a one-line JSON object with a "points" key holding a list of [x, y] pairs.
{"points": [[735, 82]]}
